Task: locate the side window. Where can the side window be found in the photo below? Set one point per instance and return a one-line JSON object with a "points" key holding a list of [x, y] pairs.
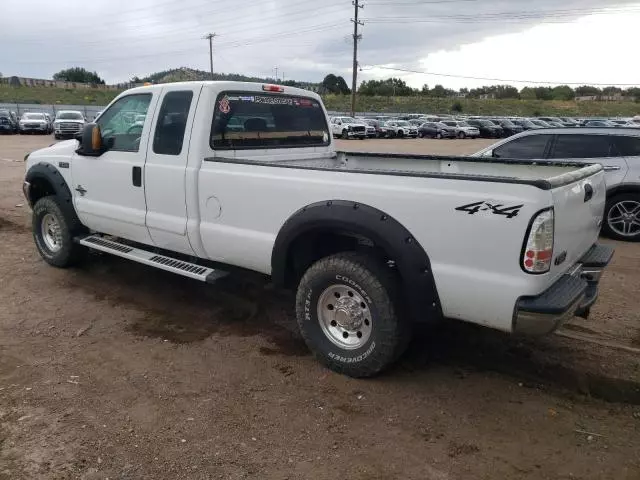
{"points": [[627, 146], [530, 147], [172, 122], [582, 146], [123, 122]]}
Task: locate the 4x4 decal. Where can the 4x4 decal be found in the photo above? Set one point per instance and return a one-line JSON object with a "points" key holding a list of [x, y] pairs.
{"points": [[495, 208]]}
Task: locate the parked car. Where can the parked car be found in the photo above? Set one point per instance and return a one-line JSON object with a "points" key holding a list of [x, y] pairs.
{"points": [[624, 123], [347, 127], [526, 124], [600, 123], [463, 129], [509, 128], [68, 123], [540, 123], [370, 242], [379, 131], [33, 123], [487, 129], [8, 123], [436, 130], [402, 128], [556, 124], [617, 149]]}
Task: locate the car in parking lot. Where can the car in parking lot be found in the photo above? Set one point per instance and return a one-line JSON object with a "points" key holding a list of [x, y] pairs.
{"points": [[33, 122], [616, 149], [402, 128], [486, 128], [379, 130], [540, 123], [462, 129], [347, 127], [509, 128], [525, 124], [8, 122], [436, 130], [600, 123], [68, 123]]}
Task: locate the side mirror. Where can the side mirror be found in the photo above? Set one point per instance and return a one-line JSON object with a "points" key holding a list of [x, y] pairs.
{"points": [[91, 144]]}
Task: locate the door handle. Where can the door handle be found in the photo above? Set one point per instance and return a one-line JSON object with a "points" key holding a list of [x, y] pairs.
{"points": [[136, 176], [610, 168]]}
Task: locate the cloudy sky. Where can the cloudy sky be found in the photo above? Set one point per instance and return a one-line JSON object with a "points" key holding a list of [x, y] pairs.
{"points": [[582, 41]]}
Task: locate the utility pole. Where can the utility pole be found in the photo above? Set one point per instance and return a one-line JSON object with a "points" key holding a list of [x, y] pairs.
{"points": [[210, 37], [356, 38], [276, 69]]}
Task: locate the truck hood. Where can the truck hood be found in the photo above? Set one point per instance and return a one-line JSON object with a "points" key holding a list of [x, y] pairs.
{"points": [[69, 121], [64, 149]]}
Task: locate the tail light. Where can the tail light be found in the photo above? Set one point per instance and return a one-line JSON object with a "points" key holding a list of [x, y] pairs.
{"points": [[538, 245]]}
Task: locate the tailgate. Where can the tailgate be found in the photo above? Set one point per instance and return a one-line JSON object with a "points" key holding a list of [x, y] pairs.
{"points": [[578, 209]]}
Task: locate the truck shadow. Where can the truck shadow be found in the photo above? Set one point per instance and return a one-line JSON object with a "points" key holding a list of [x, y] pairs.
{"points": [[184, 311]]}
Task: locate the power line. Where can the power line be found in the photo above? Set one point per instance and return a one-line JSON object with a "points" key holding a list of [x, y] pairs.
{"points": [[356, 39], [468, 77]]}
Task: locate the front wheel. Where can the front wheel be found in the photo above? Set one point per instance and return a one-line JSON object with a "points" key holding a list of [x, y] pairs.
{"points": [[347, 316], [622, 217], [439, 136], [345, 134], [53, 232], [461, 135]]}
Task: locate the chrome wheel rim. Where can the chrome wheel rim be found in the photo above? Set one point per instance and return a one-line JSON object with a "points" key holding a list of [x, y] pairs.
{"points": [[624, 218], [51, 232], [345, 317]]}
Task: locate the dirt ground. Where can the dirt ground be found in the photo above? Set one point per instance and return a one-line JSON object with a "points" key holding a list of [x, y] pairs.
{"points": [[116, 371]]}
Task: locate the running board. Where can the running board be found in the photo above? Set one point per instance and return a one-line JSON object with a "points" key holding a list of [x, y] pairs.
{"points": [[186, 269]]}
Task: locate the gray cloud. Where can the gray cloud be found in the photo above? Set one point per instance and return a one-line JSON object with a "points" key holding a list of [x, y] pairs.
{"points": [[304, 39]]}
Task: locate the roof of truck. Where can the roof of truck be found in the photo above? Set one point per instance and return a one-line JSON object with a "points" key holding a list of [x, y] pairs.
{"points": [[227, 85]]}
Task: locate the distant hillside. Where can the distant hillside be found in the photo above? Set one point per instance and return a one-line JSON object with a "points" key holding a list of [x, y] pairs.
{"points": [[185, 74]]}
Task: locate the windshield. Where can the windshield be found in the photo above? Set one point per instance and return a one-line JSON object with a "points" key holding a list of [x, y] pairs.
{"points": [[402, 123], [346, 120], [507, 123], [486, 123], [268, 121], [540, 123], [33, 116], [69, 116], [452, 124]]}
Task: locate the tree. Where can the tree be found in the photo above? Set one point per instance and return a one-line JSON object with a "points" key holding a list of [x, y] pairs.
{"points": [[388, 87], [633, 92], [527, 93], [425, 89], [438, 91], [543, 93], [563, 92], [456, 107], [335, 84], [587, 91], [79, 75]]}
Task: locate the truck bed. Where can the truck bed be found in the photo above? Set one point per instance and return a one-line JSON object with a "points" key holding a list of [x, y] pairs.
{"points": [[541, 174]]}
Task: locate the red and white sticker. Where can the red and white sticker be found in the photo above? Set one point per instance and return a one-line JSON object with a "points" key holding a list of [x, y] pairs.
{"points": [[224, 106]]}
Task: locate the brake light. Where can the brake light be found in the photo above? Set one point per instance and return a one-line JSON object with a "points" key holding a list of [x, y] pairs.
{"points": [[538, 246], [273, 88]]}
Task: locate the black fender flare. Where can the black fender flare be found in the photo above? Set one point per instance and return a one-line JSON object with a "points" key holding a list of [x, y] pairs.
{"points": [[50, 174], [419, 291], [623, 188]]}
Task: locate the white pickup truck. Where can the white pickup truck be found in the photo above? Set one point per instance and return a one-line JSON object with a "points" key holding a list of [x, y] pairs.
{"points": [[230, 174]]}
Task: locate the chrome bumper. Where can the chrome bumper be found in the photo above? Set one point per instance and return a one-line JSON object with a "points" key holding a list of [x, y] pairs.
{"points": [[572, 294]]}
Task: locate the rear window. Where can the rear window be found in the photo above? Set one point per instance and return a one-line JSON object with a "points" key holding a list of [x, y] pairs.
{"points": [[244, 120], [582, 146], [627, 146]]}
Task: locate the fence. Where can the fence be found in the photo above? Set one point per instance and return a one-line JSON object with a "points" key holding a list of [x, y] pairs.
{"points": [[89, 111]]}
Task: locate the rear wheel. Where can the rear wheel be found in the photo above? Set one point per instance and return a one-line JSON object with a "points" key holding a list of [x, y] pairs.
{"points": [[53, 232], [400, 134], [461, 135], [439, 136], [622, 217], [345, 134], [420, 134], [347, 315]]}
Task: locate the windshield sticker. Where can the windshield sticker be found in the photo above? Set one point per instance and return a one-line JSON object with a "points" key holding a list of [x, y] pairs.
{"points": [[325, 137], [246, 99], [224, 106]]}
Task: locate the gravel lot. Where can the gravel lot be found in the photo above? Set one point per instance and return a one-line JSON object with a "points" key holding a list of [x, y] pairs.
{"points": [[114, 370]]}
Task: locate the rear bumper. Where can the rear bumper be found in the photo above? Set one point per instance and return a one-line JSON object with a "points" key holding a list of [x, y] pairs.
{"points": [[572, 294]]}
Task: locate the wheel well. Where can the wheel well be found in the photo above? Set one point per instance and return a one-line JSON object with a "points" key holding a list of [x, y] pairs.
{"points": [[623, 189], [40, 187], [311, 246]]}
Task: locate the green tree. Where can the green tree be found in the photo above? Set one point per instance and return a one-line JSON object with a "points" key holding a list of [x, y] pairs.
{"points": [[563, 92], [633, 92], [387, 88], [335, 84], [79, 75], [425, 89], [543, 93], [528, 93], [611, 91], [456, 107], [587, 90], [439, 91]]}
